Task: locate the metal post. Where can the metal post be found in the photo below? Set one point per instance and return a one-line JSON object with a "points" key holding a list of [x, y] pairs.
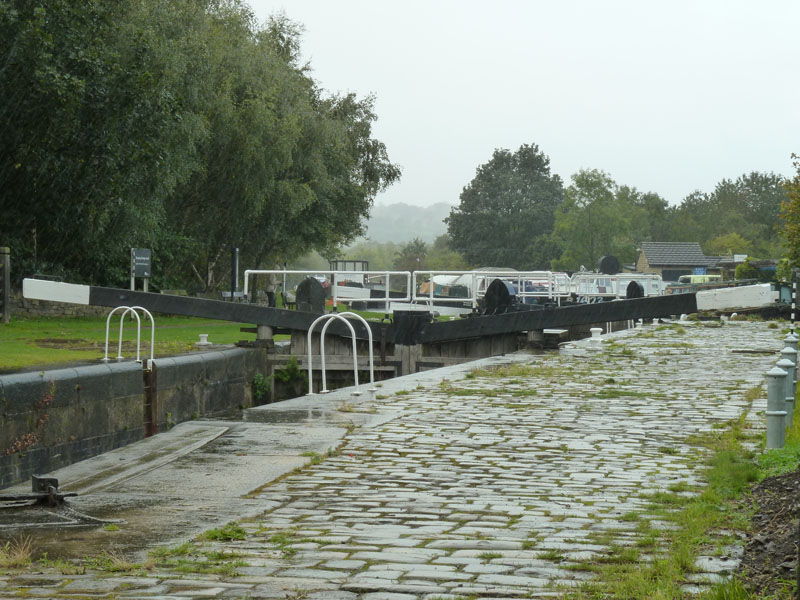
{"points": [[234, 273], [789, 356], [5, 269], [792, 341], [794, 300], [776, 404]]}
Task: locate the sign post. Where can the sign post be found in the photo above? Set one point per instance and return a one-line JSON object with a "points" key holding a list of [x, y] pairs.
{"points": [[5, 283], [140, 266]]}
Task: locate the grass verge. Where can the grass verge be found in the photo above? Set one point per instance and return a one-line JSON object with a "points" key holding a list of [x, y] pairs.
{"points": [[730, 470], [28, 343]]}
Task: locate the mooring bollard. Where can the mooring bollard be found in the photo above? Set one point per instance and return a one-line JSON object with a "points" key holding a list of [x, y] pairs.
{"points": [[791, 340], [776, 404], [596, 332], [789, 355]]}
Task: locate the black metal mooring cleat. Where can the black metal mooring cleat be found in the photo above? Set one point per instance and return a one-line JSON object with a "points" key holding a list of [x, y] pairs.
{"points": [[44, 490]]}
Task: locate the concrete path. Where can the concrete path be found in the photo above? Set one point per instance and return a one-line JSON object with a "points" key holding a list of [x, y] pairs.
{"points": [[500, 483]]}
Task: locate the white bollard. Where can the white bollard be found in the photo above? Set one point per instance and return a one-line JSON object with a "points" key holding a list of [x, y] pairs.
{"points": [[776, 407], [595, 341], [203, 340]]}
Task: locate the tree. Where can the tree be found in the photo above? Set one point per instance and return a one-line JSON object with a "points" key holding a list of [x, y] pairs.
{"points": [[380, 255], [506, 210], [93, 134], [182, 126], [290, 169], [749, 206], [790, 213], [411, 256], [728, 244], [441, 256], [595, 220]]}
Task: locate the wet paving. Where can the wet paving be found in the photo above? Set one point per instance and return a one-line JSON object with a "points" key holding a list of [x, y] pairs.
{"points": [[504, 482]]}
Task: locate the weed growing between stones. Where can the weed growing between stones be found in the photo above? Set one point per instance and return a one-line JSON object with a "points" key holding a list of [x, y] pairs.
{"points": [[228, 532], [315, 458], [186, 559], [283, 542], [61, 565], [16, 553], [552, 555], [622, 573], [113, 562]]}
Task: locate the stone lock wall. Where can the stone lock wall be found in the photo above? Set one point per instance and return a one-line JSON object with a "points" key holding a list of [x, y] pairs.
{"points": [[26, 308], [50, 419]]}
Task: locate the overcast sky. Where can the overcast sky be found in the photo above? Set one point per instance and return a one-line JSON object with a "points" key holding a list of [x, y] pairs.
{"points": [[668, 97]]}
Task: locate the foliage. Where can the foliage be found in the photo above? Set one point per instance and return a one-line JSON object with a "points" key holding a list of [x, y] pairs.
{"points": [[507, 211], [748, 270], [290, 373], [790, 213], [728, 245], [261, 387], [442, 257], [380, 256], [16, 553], [599, 218], [229, 531], [748, 206], [783, 272], [411, 256], [180, 126]]}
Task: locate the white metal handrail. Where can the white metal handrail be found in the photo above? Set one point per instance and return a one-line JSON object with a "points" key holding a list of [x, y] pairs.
{"points": [[600, 285], [131, 309], [529, 284], [339, 316], [340, 276]]}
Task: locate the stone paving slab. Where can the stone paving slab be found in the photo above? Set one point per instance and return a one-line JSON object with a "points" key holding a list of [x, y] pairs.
{"points": [[462, 485]]}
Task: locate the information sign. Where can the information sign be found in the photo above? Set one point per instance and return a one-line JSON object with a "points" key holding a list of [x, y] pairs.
{"points": [[140, 262]]}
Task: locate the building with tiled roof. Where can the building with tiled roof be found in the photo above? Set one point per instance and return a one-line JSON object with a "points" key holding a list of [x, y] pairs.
{"points": [[673, 259]]}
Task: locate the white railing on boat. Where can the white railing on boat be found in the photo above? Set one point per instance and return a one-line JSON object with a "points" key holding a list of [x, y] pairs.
{"points": [[343, 293], [461, 291]]}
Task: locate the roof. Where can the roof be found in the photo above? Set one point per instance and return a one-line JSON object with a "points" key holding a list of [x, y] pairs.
{"points": [[677, 254]]}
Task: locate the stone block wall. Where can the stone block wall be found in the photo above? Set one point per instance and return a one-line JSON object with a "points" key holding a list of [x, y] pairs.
{"points": [[25, 308], [50, 419]]}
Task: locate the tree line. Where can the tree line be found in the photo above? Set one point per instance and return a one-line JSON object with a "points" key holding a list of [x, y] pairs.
{"points": [[189, 128], [516, 213], [181, 126]]}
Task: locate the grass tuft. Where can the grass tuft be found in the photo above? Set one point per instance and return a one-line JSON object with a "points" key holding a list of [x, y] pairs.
{"points": [[16, 553]]}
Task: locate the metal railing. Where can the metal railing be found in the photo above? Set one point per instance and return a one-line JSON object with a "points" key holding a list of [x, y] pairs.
{"points": [[341, 317], [133, 310], [365, 280], [434, 289], [598, 285], [550, 285]]}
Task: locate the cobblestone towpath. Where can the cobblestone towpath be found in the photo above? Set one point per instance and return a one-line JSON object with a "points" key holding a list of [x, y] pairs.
{"points": [[505, 482]]}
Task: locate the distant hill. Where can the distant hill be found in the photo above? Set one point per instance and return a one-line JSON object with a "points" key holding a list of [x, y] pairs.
{"points": [[402, 222]]}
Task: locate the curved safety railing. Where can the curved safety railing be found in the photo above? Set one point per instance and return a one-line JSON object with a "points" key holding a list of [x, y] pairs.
{"points": [[133, 310], [330, 318]]}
